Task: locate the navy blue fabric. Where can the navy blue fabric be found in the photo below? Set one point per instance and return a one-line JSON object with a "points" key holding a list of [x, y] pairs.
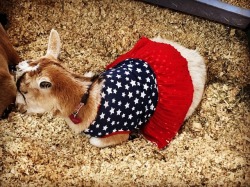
{"points": [[129, 98]]}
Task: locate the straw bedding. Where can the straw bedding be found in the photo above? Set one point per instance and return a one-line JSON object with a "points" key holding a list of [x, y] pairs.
{"points": [[212, 148]]}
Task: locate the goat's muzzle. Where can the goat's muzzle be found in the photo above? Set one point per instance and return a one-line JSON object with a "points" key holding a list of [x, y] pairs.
{"points": [[7, 111]]}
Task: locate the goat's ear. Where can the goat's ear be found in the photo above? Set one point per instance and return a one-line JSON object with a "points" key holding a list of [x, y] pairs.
{"points": [[54, 44], [44, 83]]}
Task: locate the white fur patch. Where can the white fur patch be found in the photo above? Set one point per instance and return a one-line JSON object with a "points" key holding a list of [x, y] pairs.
{"points": [[25, 67], [96, 142]]}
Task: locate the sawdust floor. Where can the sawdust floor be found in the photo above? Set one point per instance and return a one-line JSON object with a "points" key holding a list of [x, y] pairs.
{"points": [[212, 148]]}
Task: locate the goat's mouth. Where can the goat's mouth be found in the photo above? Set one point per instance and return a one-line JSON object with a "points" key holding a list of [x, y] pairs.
{"points": [[21, 108], [7, 111]]}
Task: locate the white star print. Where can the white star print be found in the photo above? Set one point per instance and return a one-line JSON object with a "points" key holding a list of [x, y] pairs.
{"points": [[112, 110], [109, 90], [118, 112], [102, 116], [103, 94], [133, 83], [143, 94], [106, 104], [118, 84], [127, 100], [136, 100], [127, 87], [130, 94], [152, 107], [138, 70], [145, 87], [105, 127], [127, 105]]}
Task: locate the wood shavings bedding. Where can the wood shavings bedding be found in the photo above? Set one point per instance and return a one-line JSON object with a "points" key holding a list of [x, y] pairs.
{"points": [[212, 148], [239, 3]]}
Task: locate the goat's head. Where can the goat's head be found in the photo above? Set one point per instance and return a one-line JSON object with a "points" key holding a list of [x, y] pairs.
{"points": [[35, 79]]}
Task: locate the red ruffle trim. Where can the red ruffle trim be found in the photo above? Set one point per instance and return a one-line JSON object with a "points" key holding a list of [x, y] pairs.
{"points": [[174, 85]]}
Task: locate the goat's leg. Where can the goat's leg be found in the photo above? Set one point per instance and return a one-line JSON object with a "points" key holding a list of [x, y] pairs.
{"points": [[110, 140]]}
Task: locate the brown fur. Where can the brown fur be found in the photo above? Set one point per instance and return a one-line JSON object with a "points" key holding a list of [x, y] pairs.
{"points": [[8, 56]]}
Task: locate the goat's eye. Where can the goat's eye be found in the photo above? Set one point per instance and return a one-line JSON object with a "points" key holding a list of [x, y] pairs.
{"points": [[45, 84]]}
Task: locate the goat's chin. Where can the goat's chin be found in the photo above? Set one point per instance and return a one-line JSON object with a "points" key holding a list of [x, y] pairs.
{"points": [[35, 110]]}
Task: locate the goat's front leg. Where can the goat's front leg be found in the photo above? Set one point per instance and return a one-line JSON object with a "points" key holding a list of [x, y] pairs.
{"points": [[110, 140]]}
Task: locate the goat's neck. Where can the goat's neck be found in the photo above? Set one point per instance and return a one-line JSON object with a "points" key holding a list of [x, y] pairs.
{"points": [[88, 112]]}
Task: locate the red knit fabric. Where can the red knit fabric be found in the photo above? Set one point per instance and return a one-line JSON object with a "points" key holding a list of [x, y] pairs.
{"points": [[174, 85]]}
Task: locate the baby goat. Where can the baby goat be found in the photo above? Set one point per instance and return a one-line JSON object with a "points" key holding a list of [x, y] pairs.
{"points": [[153, 88], [8, 58]]}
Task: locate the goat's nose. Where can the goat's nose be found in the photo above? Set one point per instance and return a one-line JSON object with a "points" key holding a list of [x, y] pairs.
{"points": [[21, 108], [7, 111]]}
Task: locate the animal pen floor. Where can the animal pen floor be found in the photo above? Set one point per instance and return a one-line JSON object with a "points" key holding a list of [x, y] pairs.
{"points": [[212, 148]]}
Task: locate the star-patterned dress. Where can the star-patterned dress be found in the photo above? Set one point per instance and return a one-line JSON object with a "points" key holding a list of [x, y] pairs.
{"points": [[175, 88], [129, 98]]}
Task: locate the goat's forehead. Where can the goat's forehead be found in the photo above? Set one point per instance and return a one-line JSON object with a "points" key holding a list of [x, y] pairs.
{"points": [[25, 66]]}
